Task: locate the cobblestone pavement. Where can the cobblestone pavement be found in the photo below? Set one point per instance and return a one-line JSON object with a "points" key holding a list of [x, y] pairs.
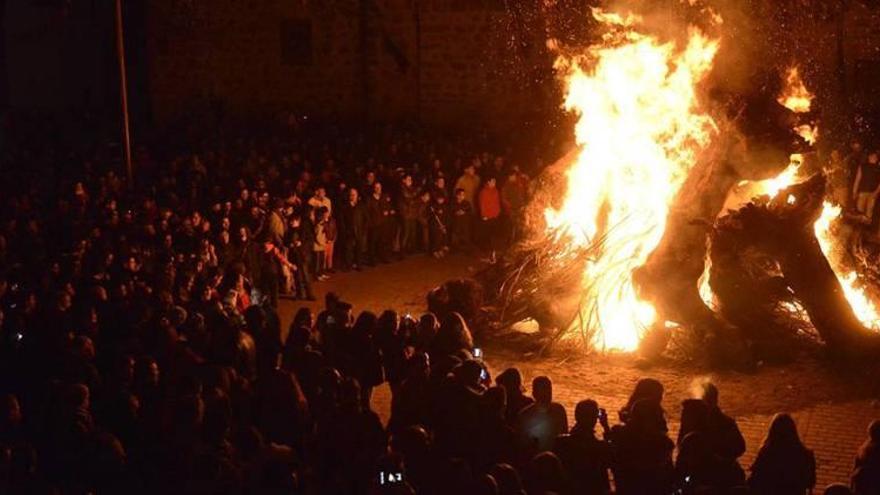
{"points": [[833, 407]]}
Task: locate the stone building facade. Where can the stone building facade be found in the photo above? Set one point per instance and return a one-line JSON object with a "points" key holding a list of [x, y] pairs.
{"points": [[435, 61]]}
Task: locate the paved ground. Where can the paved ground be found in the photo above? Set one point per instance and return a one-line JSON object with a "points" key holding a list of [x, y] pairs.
{"points": [[833, 406]]}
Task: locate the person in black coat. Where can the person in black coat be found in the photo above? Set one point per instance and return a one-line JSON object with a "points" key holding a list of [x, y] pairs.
{"points": [[586, 457], [461, 220], [299, 241], [866, 474], [438, 226], [783, 465], [380, 213], [353, 230]]}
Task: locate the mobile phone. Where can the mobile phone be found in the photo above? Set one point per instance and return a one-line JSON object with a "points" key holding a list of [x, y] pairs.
{"points": [[390, 477], [484, 375], [478, 353]]}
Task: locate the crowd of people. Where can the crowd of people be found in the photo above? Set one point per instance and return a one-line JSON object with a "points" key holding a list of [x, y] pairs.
{"points": [[141, 349]]}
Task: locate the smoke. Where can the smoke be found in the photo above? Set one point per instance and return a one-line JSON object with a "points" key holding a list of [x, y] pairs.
{"points": [[698, 385]]}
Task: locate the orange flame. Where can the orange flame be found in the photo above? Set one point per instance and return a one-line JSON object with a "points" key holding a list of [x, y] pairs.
{"points": [[640, 131], [796, 96], [864, 309]]}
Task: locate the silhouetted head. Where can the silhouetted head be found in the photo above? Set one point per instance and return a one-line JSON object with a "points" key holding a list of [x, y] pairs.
{"points": [[542, 390], [837, 489], [874, 431], [508, 479], [586, 413], [511, 380], [710, 394], [782, 433]]}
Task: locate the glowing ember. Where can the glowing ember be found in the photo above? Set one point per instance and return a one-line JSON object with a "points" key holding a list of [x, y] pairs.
{"points": [[864, 309], [640, 130]]}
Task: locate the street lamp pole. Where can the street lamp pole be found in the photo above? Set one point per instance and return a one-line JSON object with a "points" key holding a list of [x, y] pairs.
{"points": [[123, 92]]}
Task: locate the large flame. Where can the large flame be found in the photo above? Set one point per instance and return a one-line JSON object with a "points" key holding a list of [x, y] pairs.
{"points": [[640, 131]]}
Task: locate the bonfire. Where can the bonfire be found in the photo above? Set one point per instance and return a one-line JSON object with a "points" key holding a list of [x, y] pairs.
{"points": [[663, 183]]}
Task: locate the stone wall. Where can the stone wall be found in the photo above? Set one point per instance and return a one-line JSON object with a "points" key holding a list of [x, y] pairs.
{"points": [[470, 63], [438, 61]]}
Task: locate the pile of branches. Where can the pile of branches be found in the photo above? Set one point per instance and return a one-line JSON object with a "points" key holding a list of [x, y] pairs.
{"points": [[542, 279]]}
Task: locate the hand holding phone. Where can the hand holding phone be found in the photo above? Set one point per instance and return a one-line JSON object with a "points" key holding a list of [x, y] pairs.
{"points": [[603, 418]]}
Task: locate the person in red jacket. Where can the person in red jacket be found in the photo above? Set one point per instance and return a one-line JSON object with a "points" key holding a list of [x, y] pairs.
{"points": [[490, 215]]}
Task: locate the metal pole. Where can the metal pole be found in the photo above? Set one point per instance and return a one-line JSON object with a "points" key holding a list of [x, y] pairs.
{"points": [[418, 22], [123, 92]]}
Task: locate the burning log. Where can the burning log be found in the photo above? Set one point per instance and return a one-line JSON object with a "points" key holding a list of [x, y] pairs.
{"points": [[755, 146], [782, 230]]}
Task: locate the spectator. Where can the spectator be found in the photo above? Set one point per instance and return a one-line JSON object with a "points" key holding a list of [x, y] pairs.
{"points": [[424, 220], [509, 482], [866, 473], [723, 433], [438, 221], [584, 456], [704, 449], [408, 404], [490, 214], [469, 181], [461, 220], [643, 452], [783, 465], [837, 489], [320, 244], [866, 186], [379, 218], [320, 200], [353, 225], [517, 400], [514, 196], [545, 474], [541, 423], [300, 246], [452, 337], [409, 214], [365, 356], [646, 389]]}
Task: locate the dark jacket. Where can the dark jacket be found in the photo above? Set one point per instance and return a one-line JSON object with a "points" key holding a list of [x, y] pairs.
{"points": [[378, 210], [352, 220]]}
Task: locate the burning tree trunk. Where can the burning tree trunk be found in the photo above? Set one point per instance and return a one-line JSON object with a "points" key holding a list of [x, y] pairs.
{"points": [[782, 229], [670, 278]]}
